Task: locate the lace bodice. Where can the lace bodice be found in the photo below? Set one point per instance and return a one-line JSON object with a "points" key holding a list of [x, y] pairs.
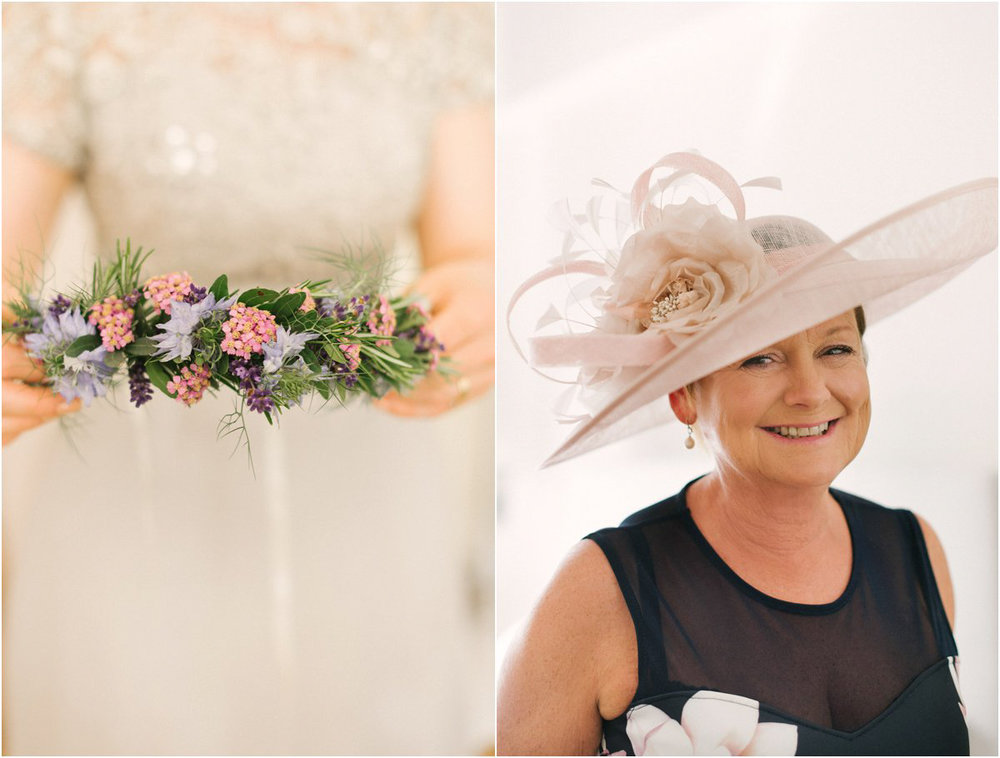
{"points": [[232, 137]]}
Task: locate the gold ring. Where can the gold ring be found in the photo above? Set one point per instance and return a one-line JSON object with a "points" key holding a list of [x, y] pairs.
{"points": [[462, 385]]}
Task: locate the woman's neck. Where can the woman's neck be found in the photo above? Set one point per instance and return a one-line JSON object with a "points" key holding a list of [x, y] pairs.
{"points": [[789, 542]]}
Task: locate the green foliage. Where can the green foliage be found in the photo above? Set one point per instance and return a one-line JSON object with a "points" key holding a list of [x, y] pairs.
{"points": [[118, 278], [159, 376], [220, 288], [286, 305], [142, 346], [82, 344], [317, 369], [258, 297]]}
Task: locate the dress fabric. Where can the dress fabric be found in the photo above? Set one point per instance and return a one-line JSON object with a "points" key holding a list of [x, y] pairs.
{"points": [[725, 667], [159, 597]]}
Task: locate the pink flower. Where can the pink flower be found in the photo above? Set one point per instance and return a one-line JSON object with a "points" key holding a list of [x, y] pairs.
{"points": [[190, 384], [352, 352], [382, 320], [247, 330], [114, 320], [712, 723], [164, 290]]}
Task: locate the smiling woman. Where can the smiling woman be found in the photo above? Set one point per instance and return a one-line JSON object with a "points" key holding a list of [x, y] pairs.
{"points": [[759, 610], [796, 413]]}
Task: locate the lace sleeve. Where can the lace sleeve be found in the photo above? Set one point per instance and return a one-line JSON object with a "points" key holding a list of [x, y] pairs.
{"points": [[463, 53], [42, 104]]}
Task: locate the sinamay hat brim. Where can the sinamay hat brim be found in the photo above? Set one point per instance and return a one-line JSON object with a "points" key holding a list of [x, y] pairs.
{"points": [[883, 267]]}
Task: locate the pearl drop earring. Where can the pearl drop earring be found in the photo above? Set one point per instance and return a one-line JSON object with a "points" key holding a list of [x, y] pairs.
{"points": [[689, 442]]}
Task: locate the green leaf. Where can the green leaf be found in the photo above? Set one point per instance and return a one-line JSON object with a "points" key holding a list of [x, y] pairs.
{"points": [[336, 354], [142, 346], [221, 365], [220, 288], [115, 359], [257, 296], [227, 380], [312, 361], [81, 344], [405, 350], [159, 377], [381, 355], [307, 322], [390, 349], [287, 305]]}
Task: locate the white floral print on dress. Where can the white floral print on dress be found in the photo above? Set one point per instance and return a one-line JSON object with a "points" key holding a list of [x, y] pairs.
{"points": [[712, 723], [953, 668]]}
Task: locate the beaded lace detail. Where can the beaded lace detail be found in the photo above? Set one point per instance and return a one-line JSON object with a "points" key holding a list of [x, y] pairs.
{"points": [[235, 136]]}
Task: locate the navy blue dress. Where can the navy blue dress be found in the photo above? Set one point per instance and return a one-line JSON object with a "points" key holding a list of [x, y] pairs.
{"points": [[726, 669]]}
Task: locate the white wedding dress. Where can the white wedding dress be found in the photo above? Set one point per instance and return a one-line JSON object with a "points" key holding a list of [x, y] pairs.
{"points": [[157, 597]]}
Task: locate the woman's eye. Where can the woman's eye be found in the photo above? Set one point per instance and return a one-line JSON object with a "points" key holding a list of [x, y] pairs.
{"points": [[757, 360], [839, 350]]}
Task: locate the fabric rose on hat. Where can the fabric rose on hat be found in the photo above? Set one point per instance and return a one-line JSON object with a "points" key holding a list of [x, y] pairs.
{"points": [[688, 267]]}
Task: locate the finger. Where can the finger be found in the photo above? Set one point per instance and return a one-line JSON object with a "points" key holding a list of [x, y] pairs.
{"points": [[437, 284], [436, 395], [17, 364], [455, 329], [24, 400], [473, 357], [15, 426]]}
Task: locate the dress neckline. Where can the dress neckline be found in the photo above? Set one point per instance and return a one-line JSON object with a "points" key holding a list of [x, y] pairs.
{"points": [[806, 609]]}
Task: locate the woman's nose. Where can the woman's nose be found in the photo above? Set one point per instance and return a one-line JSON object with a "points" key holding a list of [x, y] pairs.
{"points": [[806, 385]]}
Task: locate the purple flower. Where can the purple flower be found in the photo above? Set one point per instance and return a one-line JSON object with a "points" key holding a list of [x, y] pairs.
{"points": [[196, 295], [344, 374], [326, 307], [330, 308], [60, 305], [85, 376], [285, 345], [58, 333], [176, 340], [140, 388], [260, 399], [247, 372]]}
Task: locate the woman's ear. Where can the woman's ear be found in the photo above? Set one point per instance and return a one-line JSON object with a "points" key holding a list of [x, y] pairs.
{"points": [[682, 404]]}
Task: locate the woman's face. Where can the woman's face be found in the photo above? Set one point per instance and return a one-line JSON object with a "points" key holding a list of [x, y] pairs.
{"points": [[795, 413]]}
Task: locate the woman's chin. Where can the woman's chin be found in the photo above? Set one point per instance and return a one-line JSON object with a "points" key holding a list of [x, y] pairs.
{"points": [[798, 472]]}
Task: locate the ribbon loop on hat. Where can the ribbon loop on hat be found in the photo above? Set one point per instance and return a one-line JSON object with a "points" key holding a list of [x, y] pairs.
{"points": [[685, 163]]}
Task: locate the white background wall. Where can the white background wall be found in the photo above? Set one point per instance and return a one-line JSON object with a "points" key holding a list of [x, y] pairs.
{"points": [[860, 109]]}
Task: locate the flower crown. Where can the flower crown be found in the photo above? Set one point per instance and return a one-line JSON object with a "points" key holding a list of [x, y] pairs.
{"points": [[274, 349]]}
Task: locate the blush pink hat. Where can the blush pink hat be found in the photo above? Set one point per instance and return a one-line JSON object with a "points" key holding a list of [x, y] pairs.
{"points": [[672, 289]]}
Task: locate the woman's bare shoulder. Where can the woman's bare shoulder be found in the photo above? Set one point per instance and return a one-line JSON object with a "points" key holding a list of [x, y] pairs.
{"points": [[574, 664], [939, 564]]}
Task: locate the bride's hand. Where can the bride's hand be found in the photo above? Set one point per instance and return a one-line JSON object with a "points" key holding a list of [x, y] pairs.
{"points": [[25, 403], [461, 297]]}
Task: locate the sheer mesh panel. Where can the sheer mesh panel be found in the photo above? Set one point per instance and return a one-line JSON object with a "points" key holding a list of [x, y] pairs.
{"points": [[839, 665]]}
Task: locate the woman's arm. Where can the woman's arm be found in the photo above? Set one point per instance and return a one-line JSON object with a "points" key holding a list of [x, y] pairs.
{"points": [[939, 564], [574, 665], [33, 188], [456, 237]]}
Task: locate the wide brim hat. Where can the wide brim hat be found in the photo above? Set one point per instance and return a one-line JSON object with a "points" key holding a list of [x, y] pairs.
{"points": [[683, 290]]}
